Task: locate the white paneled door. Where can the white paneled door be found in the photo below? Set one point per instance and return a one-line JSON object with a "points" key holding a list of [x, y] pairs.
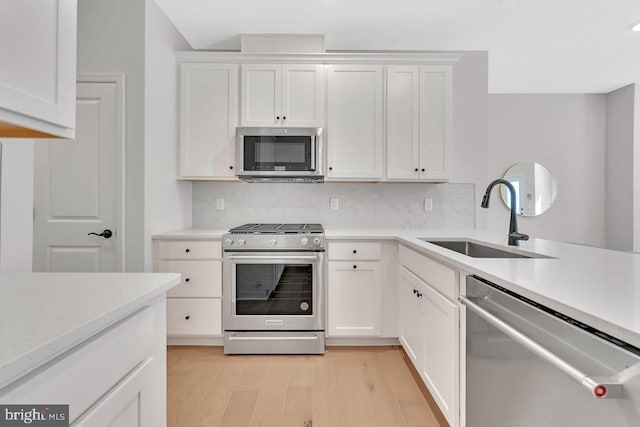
{"points": [[77, 187]]}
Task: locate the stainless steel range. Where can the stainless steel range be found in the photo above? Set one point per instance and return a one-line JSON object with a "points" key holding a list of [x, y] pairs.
{"points": [[273, 287]]}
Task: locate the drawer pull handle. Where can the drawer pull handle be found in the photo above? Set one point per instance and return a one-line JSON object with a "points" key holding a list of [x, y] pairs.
{"points": [[355, 266], [415, 291], [187, 250], [355, 252], [187, 280], [418, 294], [187, 317]]}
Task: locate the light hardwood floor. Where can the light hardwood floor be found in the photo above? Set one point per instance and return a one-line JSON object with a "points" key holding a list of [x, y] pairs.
{"points": [[345, 387]]}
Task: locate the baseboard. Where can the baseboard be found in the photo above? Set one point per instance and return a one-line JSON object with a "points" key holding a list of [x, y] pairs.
{"points": [[360, 342], [211, 341], [442, 421]]}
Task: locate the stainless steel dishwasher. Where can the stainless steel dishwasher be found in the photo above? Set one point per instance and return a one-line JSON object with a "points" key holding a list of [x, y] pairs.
{"points": [[528, 366]]}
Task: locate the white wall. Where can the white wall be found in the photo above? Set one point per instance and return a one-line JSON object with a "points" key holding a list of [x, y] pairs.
{"points": [[168, 201], [566, 133], [619, 169], [16, 206], [111, 40], [470, 143]]}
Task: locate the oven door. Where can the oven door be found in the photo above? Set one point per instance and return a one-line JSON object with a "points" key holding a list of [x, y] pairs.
{"points": [[269, 291]]}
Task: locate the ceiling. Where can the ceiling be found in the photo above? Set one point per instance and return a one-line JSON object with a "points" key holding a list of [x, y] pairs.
{"points": [[535, 46]]}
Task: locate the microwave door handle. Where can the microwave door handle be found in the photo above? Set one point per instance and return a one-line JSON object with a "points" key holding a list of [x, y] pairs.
{"points": [[314, 147]]}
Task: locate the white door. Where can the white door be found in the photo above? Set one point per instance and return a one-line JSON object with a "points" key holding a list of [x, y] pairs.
{"points": [[403, 122], [302, 95], [77, 188], [261, 87], [354, 129]]}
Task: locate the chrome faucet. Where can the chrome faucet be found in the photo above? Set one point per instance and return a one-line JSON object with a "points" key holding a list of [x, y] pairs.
{"points": [[514, 236]]}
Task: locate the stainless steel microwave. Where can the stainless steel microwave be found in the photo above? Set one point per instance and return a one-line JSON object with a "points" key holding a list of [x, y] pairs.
{"points": [[281, 154]]}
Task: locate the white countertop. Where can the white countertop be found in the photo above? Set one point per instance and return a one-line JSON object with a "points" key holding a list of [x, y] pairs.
{"points": [[45, 314], [191, 233], [596, 286]]}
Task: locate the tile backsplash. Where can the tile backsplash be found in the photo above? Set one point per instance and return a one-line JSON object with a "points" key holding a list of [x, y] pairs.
{"points": [[360, 205]]}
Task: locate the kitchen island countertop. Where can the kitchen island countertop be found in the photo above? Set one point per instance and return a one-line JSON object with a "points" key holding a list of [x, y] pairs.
{"points": [[42, 315]]}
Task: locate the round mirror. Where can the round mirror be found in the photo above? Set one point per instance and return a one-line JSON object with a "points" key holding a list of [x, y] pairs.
{"points": [[536, 188]]}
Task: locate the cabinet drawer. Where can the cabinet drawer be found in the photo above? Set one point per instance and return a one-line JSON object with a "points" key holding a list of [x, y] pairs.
{"points": [[438, 276], [189, 249], [84, 374], [354, 250], [194, 316], [199, 278]]}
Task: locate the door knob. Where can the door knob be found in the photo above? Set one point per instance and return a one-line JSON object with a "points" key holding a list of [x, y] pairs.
{"points": [[106, 234]]}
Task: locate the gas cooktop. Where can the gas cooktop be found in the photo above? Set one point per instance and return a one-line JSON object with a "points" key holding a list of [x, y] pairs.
{"points": [[274, 237], [278, 229]]}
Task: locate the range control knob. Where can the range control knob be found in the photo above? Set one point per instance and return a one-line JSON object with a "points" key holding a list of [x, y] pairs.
{"points": [[272, 242], [241, 242], [304, 241], [228, 242], [316, 241]]}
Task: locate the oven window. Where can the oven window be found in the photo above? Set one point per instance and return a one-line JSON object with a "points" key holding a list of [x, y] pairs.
{"points": [[274, 289], [277, 153]]}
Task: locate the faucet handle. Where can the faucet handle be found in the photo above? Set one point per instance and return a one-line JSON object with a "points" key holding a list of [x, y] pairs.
{"points": [[519, 236]]}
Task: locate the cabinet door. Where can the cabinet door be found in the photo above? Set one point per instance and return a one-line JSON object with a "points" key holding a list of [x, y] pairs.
{"points": [[440, 363], [354, 299], [126, 405], [261, 87], [38, 72], [208, 120], [411, 317], [354, 129], [435, 122], [403, 122], [302, 95]]}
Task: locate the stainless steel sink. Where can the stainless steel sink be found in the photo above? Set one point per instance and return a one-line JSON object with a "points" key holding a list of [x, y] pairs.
{"points": [[479, 250]]}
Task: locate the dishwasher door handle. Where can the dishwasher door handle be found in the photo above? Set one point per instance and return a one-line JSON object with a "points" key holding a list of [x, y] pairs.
{"points": [[599, 387]]}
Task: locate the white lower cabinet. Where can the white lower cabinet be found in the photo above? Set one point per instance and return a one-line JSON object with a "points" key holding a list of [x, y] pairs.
{"points": [[194, 307], [412, 319], [354, 298], [122, 406], [194, 316], [429, 328], [113, 378], [440, 368]]}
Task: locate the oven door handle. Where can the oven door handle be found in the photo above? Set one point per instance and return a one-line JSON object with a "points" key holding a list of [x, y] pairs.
{"points": [[273, 258], [268, 338]]}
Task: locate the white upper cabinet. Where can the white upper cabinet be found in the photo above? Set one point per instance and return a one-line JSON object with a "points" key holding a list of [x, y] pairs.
{"points": [[403, 122], [282, 95], [38, 72], [419, 123], [354, 128], [208, 120], [435, 122]]}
